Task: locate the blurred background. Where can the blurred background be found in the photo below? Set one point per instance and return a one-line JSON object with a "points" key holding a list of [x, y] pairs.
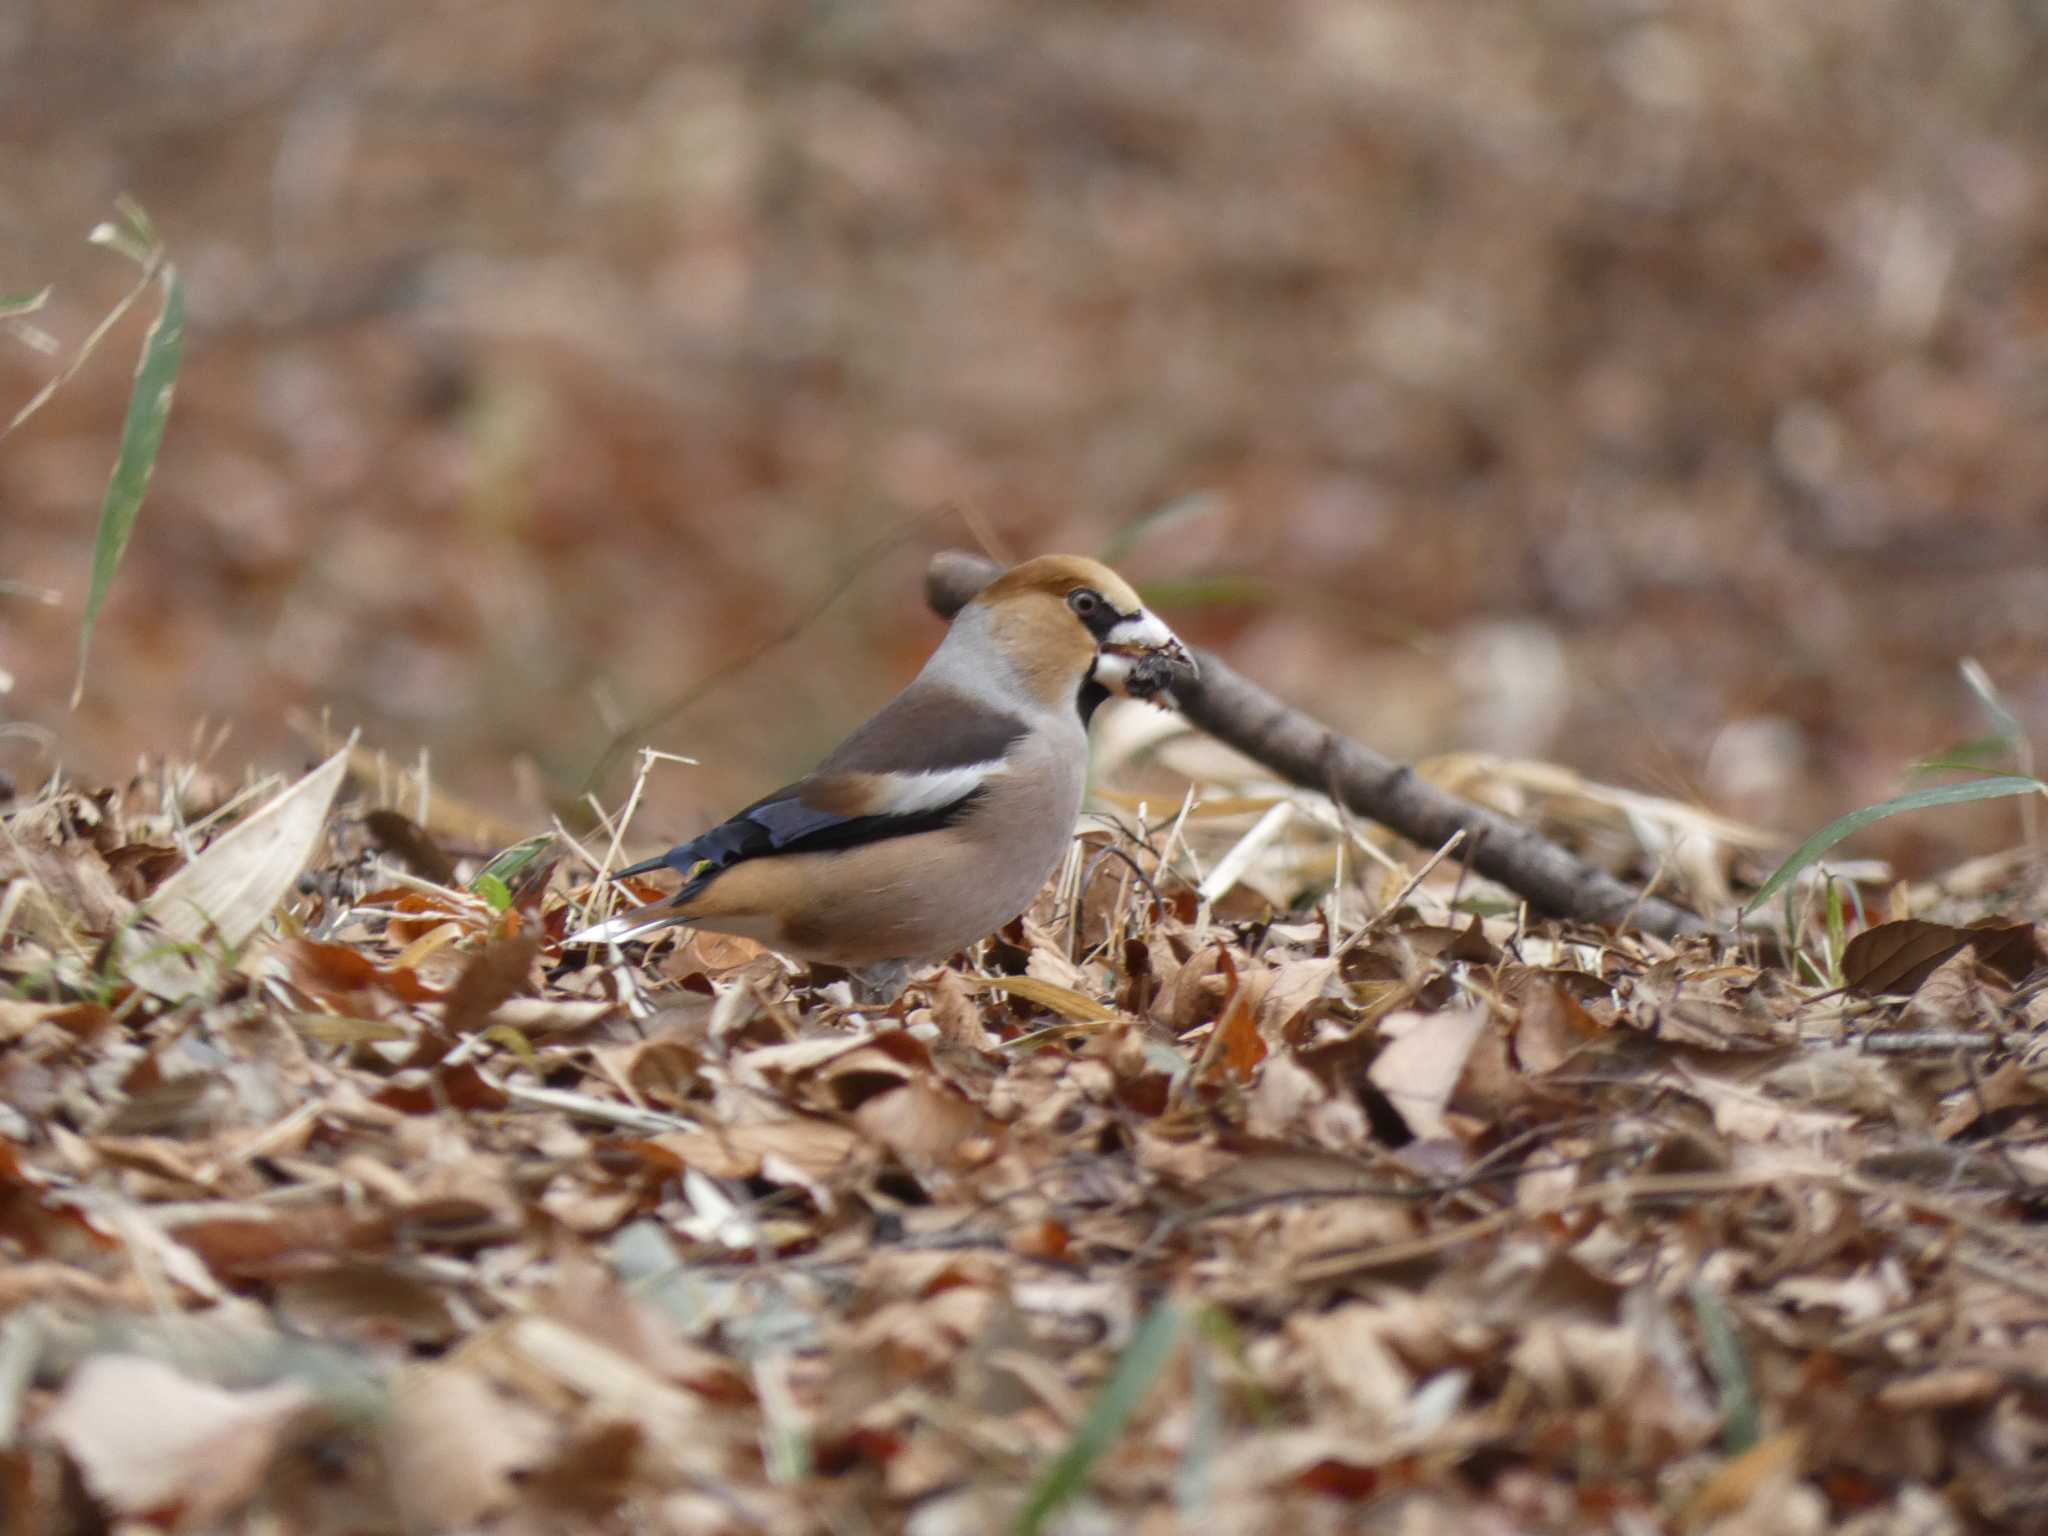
{"points": [[1656, 389]]}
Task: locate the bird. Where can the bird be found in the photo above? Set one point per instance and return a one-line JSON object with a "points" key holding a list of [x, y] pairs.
{"points": [[940, 819]]}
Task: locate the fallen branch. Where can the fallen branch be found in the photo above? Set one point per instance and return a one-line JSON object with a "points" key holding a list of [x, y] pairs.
{"points": [[1304, 751]]}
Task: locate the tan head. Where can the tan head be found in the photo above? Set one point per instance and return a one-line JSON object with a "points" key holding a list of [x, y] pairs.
{"points": [[1074, 629]]}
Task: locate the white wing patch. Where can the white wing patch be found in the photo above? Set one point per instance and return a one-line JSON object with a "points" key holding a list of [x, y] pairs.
{"points": [[911, 794], [627, 925]]}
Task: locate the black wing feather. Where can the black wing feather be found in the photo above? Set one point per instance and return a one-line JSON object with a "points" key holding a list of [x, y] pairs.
{"points": [[951, 732], [784, 823]]}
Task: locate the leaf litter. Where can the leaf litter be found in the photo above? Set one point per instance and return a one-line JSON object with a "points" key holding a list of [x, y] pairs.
{"points": [[1220, 1191]]}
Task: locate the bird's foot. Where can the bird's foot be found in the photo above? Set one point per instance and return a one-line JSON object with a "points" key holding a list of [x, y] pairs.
{"points": [[879, 986]]}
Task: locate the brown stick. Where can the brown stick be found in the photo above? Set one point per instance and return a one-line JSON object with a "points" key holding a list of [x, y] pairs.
{"points": [[1304, 751]]}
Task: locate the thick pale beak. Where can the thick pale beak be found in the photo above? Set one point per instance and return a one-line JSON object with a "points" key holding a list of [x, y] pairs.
{"points": [[1142, 659]]}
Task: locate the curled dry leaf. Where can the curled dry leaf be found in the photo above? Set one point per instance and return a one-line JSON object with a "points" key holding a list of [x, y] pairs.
{"points": [[218, 900]]}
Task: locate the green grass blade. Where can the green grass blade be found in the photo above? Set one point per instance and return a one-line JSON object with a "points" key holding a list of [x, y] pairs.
{"points": [[1729, 1366], [12, 304], [1918, 800], [1137, 1369], [2003, 721], [1204, 592], [1159, 519], [1987, 754], [142, 434]]}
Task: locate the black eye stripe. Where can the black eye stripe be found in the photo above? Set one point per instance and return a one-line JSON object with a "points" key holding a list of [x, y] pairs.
{"points": [[1095, 611]]}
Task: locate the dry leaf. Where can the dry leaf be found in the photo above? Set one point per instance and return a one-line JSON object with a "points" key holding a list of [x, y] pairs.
{"points": [[452, 1443], [1418, 1069], [1897, 957], [157, 1445], [224, 895], [1064, 1001]]}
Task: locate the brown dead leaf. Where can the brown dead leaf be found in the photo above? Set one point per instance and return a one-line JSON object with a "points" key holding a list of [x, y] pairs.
{"points": [[336, 973], [1049, 995], [238, 1248], [41, 1221], [1418, 1069], [1292, 989], [1197, 990], [925, 1124], [18, 1019], [353, 1298], [453, 1442], [1895, 958], [1551, 1030], [1756, 1472], [492, 976], [718, 953], [411, 845], [1951, 996], [1236, 1047], [593, 1471], [2010, 1086], [68, 888], [423, 1090], [819, 1147], [1955, 1386], [156, 1445]]}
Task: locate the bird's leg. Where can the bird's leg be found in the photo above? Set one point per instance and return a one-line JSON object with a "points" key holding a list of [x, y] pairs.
{"points": [[878, 986]]}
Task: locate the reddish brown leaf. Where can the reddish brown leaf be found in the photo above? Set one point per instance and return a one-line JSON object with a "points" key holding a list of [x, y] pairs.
{"points": [[493, 974]]}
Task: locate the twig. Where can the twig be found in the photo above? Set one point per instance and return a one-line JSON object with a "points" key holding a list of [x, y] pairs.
{"points": [[1304, 751], [1913, 1042]]}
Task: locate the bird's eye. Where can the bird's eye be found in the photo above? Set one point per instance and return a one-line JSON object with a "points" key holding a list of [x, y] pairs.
{"points": [[1084, 602]]}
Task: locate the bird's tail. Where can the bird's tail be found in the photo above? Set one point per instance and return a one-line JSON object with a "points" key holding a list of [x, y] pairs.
{"points": [[635, 921], [629, 924]]}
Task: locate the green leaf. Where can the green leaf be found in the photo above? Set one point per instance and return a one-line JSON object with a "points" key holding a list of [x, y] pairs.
{"points": [[1137, 1369], [12, 304], [495, 880], [1806, 853], [142, 434]]}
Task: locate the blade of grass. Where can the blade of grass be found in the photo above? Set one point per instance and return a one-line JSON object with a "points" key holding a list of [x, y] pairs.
{"points": [[2003, 721], [1158, 519], [1137, 1369], [1987, 754], [1194, 1479], [1837, 932], [1918, 800], [1204, 592], [1729, 1367], [12, 304], [142, 434], [2007, 724]]}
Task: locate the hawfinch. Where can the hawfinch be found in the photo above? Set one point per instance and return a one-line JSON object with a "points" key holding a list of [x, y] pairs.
{"points": [[940, 819]]}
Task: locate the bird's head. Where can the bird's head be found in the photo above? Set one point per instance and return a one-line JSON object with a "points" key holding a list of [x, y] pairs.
{"points": [[1074, 629]]}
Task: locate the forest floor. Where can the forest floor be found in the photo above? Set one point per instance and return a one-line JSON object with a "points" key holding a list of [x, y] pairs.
{"points": [[363, 1205]]}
